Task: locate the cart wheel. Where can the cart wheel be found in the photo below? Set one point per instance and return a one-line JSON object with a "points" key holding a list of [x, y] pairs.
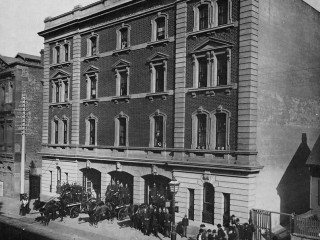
{"points": [[74, 212], [122, 214]]}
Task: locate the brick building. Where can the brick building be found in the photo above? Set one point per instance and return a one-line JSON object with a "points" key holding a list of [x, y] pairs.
{"points": [[139, 91], [22, 73]]}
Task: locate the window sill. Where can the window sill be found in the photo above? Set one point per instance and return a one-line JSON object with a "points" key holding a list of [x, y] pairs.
{"points": [[152, 96], [118, 99], [121, 51], [210, 91], [60, 65], [60, 105], [195, 33], [59, 145], [94, 101], [91, 58], [156, 43]]}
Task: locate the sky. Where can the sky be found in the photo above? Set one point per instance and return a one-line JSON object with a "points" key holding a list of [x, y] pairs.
{"points": [[21, 20]]}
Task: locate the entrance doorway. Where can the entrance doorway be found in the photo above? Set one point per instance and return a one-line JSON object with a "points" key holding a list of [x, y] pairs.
{"points": [[208, 203], [34, 187], [92, 180], [125, 179], [157, 190]]}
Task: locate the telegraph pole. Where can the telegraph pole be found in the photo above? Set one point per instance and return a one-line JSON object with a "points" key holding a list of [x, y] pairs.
{"points": [[21, 126]]}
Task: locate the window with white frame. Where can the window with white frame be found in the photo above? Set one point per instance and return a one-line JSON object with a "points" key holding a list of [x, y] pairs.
{"points": [[93, 45], [60, 90], [158, 71], [65, 130], [200, 129], [212, 68], [66, 52], [159, 27], [91, 75], [91, 130], [157, 130], [121, 130], [56, 54], [212, 13], [123, 37], [122, 74], [211, 130]]}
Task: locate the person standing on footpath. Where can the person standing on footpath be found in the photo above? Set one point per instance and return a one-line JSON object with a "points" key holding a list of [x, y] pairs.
{"points": [[221, 233], [185, 224]]}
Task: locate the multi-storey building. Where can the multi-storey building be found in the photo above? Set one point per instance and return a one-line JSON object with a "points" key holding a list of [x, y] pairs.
{"points": [[21, 75], [214, 92]]}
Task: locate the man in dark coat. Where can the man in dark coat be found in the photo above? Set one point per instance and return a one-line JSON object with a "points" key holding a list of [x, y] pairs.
{"points": [[221, 233], [167, 223], [240, 228], [185, 224]]}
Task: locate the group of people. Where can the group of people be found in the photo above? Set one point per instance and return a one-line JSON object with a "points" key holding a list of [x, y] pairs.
{"points": [[118, 194], [153, 220], [233, 230]]}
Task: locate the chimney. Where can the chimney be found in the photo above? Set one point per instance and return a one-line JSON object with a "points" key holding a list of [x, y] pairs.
{"points": [[42, 56]]}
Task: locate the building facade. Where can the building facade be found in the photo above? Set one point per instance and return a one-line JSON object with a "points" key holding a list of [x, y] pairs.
{"points": [[20, 75], [141, 91]]}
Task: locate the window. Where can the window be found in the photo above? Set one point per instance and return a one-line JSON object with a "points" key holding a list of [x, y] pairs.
{"points": [[65, 130], [10, 92], [66, 52], [56, 54], [200, 129], [203, 16], [158, 72], [226, 208], [91, 130], [212, 13], [122, 74], [2, 133], [208, 203], [93, 45], [3, 93], [220, 129], [56, 131], [212, 68], [60, 90], [67, 177], [123, 83], [91, 75], [58, 177], [123, 37], [159, 26], [157, 129], [191, 204], [50, 187], [9, 133], [121, 130]]}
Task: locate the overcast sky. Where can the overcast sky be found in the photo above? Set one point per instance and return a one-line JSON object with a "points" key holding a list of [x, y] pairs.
{"points": [[21, 20]]}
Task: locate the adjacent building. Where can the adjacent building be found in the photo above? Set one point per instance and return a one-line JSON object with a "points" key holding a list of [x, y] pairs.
{"points": [[21, 75], [216, 93]]}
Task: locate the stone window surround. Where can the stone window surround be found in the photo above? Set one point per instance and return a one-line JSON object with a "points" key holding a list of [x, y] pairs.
{"points": [[60, 130], [88, 75], [87, 120], [210, 55], [156, 61], [7, 91], [117, 129], [89, 42], [154, 26], [118, 32], [152, 126], [213, 13], [211, 128], [62, 84]]}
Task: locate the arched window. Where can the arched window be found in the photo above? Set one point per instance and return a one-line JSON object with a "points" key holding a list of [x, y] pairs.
{"points": [[55, 130], [91, 130], [159, 27], [122, 74], [158, 72], [58, 179], [158, 130], [57, 54], [65, 130], [93, 45], [208, 203], [123, 37], [220, 129], [10, 92], [92, 74], [121, 130], [66, 51], [200, 129]]}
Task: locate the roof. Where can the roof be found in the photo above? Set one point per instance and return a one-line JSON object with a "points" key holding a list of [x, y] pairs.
{"points": [[29, 56], [314, 157], [9, 60]]}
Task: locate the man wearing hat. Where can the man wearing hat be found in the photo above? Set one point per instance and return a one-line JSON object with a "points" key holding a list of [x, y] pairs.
{"points": [[185, 224], [221, 233]]}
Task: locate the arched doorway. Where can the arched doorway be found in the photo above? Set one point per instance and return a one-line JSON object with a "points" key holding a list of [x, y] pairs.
{"points": [[92, 180], [157, 190], [208, 203], [125, 179]]}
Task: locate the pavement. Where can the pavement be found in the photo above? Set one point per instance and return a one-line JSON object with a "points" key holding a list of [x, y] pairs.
{"points": [[73, 229]]}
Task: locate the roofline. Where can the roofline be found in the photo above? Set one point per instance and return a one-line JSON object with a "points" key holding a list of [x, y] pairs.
{"points": [[84, 18]]}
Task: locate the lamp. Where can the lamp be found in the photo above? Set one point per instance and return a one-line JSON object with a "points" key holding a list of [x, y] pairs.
{"points": [[174, 188]]}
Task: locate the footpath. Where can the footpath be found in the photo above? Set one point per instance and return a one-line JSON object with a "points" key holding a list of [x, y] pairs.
{"points": [[27, 227]]}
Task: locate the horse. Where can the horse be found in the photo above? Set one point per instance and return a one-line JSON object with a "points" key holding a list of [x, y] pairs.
{"points": [[50, 211]]}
